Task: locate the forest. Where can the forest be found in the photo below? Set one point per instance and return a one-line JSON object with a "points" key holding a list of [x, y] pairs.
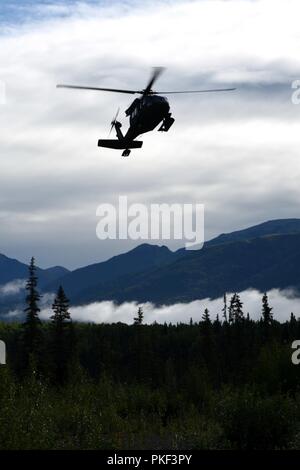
{"points": [[221, 383]]}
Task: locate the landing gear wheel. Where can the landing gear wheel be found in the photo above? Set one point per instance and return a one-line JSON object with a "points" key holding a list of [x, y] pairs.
{"points": [[126, 153]]}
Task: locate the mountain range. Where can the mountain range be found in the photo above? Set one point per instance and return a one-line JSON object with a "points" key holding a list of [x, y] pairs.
{"points": [[263, 256], [12, 269]]}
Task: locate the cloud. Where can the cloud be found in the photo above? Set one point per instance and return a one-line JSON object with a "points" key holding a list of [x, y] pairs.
{"points": [[12, 288], [283, 302], [237, 153]]}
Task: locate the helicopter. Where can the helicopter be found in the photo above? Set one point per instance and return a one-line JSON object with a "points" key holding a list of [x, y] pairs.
{"points": [[145, 113]]}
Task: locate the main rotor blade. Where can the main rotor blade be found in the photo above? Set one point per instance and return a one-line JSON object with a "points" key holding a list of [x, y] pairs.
{"points": [[191, 91], [157, 71], [131, 92]]}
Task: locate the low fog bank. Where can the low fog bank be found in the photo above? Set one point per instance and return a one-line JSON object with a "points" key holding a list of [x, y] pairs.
{"points": [[12, 288], [283, 302]]}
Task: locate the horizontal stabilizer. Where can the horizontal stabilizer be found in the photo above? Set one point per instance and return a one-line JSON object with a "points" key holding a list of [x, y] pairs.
{"points": [[119, 144]]}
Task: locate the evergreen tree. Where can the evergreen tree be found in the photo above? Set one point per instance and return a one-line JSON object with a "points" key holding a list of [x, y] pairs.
{"points": [[231, 309], [62, 335], [206, 317], [32, 332], [138, 320], [60, 308], [217, 324], [224, 309], [235, 309], [267, 314]]}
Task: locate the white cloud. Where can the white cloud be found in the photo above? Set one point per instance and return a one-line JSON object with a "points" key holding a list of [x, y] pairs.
{"points": [[236, 153], [283, 303], [13, 287]]}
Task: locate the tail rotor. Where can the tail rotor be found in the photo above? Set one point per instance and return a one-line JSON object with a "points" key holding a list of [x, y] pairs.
{"points": [[113, 122]]}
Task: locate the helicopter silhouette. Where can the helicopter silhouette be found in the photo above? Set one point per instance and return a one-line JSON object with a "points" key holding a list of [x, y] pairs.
{"points": [[145, 113]]}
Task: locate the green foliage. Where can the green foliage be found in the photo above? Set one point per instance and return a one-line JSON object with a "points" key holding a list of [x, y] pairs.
{"points": [[206, 385], [252, 421]]}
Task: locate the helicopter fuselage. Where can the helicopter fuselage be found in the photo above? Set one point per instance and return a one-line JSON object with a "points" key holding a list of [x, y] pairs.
{"points": [[145, 114]]}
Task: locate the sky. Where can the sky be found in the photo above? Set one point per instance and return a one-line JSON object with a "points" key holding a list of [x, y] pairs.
{"points": [[237, 153]]}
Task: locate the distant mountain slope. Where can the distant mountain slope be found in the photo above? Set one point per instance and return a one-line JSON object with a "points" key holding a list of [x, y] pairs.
{"points": [[271, 227], [150, 272], [262, 263], [12, 269], [12, 273], [51, 274], [139, 259], [263, 256]]}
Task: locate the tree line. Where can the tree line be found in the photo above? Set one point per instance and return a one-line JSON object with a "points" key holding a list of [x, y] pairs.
{"points": [[226, 382]]}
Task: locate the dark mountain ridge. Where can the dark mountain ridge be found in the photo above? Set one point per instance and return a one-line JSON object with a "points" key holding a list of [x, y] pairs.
{"points": [[262, 263], [229, 262], [270, 227], [264, 256], [12, 269]]}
